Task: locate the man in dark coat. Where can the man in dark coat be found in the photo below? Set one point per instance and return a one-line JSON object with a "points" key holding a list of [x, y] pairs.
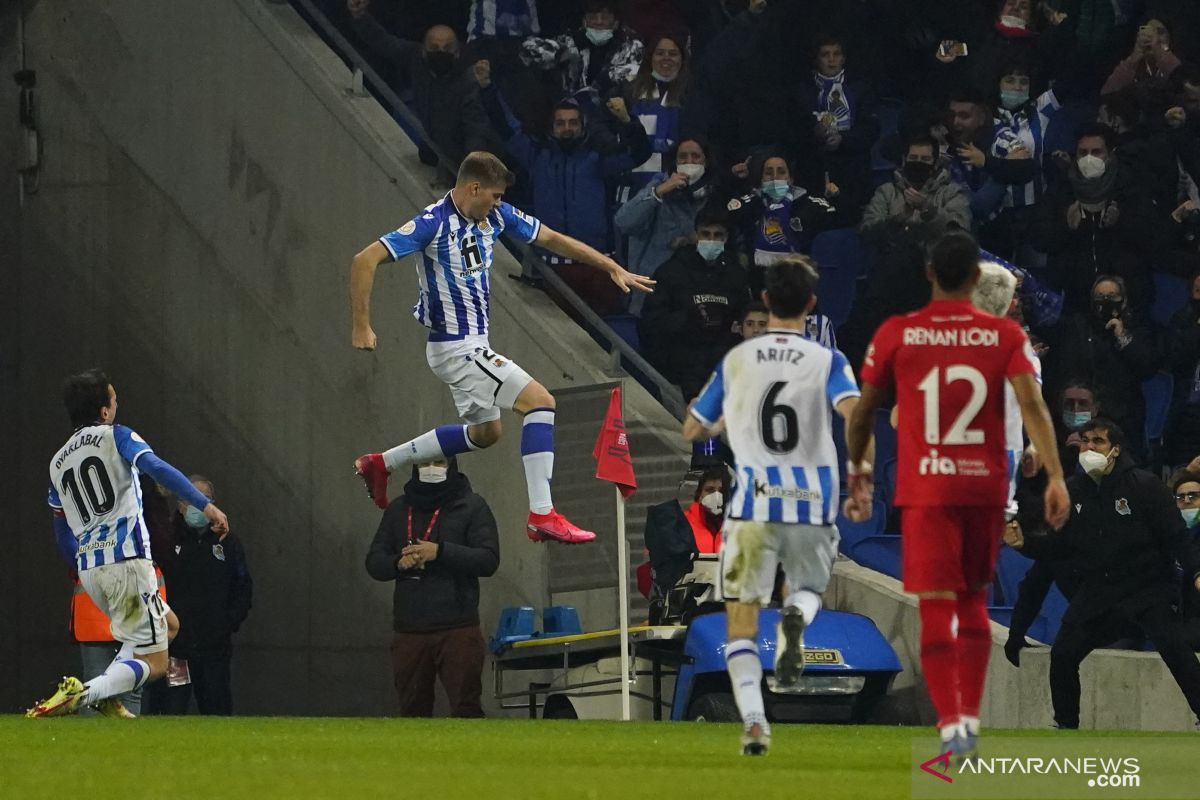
{"points": [[436, 541], [687, 323], [1126, 536]]}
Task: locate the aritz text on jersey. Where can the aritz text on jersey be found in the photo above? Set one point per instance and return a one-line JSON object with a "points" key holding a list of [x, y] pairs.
{"points": [[783, 355], [83, 441], [952, 337], [786, 492]]}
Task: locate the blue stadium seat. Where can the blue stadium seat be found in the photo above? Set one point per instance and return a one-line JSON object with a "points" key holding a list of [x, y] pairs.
{"points": [[853, 533], [1170, 294], [880, 553], [842, 260], [626, 326], [1011, 567], [1157, 393]]}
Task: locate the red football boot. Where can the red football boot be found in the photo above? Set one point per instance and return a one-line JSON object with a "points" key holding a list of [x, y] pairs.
{"points": [[375, 474], [555, 526]]}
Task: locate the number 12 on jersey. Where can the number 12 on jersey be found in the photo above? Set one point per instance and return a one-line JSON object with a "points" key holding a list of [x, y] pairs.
{"points": [[960, 431]]}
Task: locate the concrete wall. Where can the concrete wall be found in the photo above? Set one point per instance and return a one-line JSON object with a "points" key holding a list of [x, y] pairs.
{"points": [[1122, 690], [206, 179]]}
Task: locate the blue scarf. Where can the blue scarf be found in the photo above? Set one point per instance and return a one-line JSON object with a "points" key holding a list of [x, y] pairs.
{"points": [[832, 99]]}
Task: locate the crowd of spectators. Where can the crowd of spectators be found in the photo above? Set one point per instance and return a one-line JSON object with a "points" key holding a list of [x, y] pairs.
{"points": [[700, 141]]}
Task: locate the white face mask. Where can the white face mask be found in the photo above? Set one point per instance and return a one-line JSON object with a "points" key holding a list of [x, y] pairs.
{"points": [[714, 502], [1012, 22], [1091, 166], [431, 473], [694, 172], [1093, 463]]}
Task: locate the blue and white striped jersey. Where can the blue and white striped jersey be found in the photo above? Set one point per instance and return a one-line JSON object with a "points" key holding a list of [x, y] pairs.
{"points": [[777, 393], [1026, 126], [502, 18], [456, 254], [96, 474]]}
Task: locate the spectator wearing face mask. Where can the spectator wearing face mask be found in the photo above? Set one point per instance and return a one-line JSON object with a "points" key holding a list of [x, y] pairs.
{"points": [[688, 321], [1078, 404], [656, 218], [435, 542], [903, 220], [1151, 61], [568, 175], [1126, 535], [1019, 130], [211, 593], [780, 218], [839, 114], [656, 97], [1182, 439], [445, 100], [984, 176], [589, 62], [1186, 486], [706, 514], [1113, 349], [1097, 221]]}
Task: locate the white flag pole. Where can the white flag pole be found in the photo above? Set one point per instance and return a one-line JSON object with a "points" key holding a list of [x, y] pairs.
{"points": [[623, 599]]}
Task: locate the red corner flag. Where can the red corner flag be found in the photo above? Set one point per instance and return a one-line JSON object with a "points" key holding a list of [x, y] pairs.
{"points": [[613, 462]]}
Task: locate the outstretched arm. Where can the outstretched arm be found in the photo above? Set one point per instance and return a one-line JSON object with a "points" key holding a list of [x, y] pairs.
{"points": [[177, 483], [565, 246], [362, 278]]}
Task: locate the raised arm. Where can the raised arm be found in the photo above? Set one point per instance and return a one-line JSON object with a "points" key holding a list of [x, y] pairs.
{"points": [[565, 246]]}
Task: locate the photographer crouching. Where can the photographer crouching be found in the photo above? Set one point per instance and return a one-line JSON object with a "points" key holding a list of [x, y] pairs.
{"points": [[436, 541]]}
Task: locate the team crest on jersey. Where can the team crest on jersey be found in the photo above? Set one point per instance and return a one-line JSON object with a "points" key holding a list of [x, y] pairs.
{"points": [[408, 228], [734, 204], [796, 225], [485, 227], [499, 362], [1122, 506], [1078, 507], [218, 552]]}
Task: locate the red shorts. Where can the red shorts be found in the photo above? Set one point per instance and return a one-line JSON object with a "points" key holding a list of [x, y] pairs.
{"points": [[949, 548]]}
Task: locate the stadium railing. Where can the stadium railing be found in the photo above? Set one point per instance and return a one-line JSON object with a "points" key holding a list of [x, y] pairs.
{"points": [[624, 357]]}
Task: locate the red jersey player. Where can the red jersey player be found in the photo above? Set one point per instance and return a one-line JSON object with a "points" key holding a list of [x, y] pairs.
{"points": [[948, 363]]}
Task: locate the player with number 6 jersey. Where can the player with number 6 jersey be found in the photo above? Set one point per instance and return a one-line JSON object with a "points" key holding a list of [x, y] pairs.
{"points": [[948, 364], [97, 505], [456, 238]]}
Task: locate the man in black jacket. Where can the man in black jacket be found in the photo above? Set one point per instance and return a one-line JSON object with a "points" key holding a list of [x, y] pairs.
{"points": [[436, 541], [687, 324], [1126, 536], [210, 591]]}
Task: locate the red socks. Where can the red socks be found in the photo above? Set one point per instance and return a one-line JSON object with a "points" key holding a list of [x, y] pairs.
{"points": [[974, 645], [939, 659]]}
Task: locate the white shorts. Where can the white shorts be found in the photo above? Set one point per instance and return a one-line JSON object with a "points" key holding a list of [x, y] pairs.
{"points": [[127, 593], [752, 550], [481, 382]]}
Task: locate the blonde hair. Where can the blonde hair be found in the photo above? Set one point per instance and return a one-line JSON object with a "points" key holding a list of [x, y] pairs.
{"points": [[995, 290], [485, 168]]}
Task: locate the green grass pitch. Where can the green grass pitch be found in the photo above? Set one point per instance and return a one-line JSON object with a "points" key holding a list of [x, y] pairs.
{"points": [[348, 759]]}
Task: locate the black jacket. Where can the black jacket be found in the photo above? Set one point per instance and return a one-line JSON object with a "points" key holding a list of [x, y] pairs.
{"points": [[445, 593], [1126, 536], [447, 105], [1081, 348], [209, 588], [687, 322], [1182, 439]]}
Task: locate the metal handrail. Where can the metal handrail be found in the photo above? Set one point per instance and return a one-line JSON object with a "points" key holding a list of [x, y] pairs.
{"points": [[669, 394]]}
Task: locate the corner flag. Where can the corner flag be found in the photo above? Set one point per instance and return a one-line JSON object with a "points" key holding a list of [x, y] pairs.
{"points": [[613, 461]]}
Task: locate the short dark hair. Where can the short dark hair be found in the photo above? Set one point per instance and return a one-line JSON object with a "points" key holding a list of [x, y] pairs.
{"points": [[716, 472], [754, 307], [484, 167], [791, 284], [954, 260], [596, 6], [1181, 477], [967, 94], [84, 395], [1116, 436], [924, 140], [825, 38], [712, 214], [1123, 103], [1099, 130]]}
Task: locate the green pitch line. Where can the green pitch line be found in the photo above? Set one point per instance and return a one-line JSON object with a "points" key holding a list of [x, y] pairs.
{"points": [[345, 759]]}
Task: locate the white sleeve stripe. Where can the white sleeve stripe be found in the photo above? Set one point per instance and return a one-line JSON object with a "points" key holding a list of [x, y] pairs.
{"points": [[848, 393], [383, 240], [701, 419], [54, 505], [138, 455], [537, 228]]}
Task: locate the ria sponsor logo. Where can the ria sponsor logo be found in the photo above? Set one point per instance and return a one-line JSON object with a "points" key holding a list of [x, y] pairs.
{"points": [[933, 464]]}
